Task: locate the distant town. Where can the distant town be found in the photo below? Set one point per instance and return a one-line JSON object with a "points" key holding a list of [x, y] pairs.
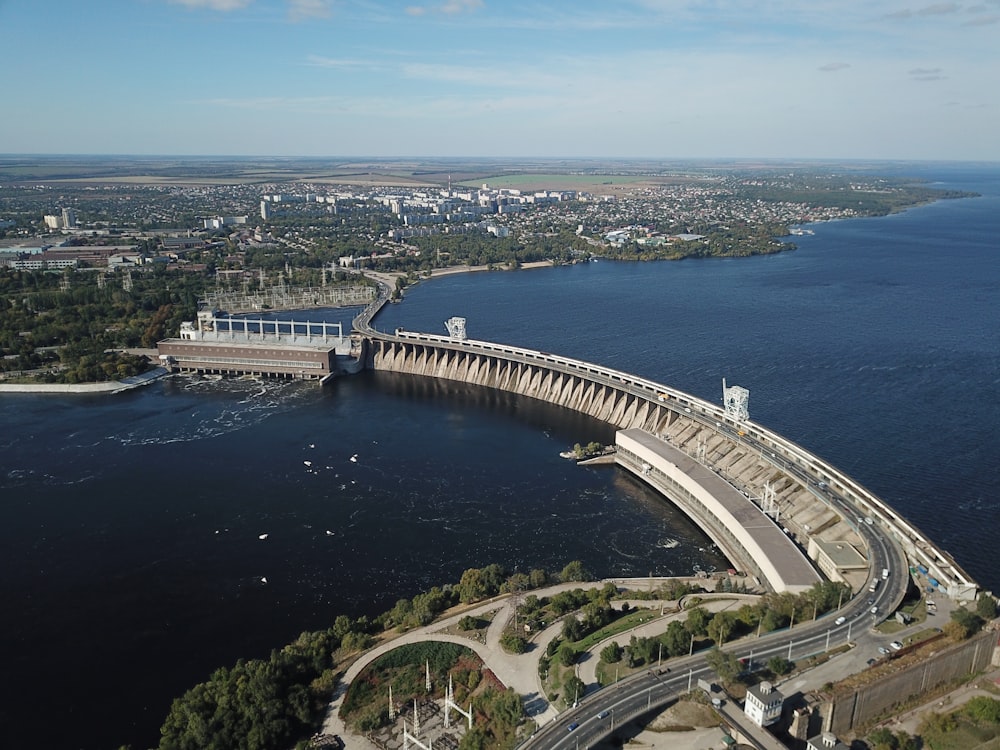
{"points": [[121, 228]]}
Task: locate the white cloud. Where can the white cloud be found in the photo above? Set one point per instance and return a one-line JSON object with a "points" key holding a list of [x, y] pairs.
{"points": [[220, 5], [982, 21], [450, 7], [300, 10], [927, 74], [319, 61], [460, 6]]}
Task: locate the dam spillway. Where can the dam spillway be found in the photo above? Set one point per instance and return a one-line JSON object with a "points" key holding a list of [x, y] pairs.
{"points": [[820, 509]]}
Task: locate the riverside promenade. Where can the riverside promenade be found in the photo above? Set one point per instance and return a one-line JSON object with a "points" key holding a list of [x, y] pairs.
{"points": [[520, 671]]}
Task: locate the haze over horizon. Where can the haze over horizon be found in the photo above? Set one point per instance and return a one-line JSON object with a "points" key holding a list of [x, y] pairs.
{"points": [[673, 79]]}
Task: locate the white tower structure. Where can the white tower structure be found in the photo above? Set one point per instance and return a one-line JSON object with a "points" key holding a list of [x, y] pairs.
{"points": [[736, 400], [456, 328]]}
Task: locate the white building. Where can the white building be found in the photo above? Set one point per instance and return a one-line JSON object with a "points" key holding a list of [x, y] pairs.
{"points": [[763, 704], [225, 221], [52, 221], [825, 741]]}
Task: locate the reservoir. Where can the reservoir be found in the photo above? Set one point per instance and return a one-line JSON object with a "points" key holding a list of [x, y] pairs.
{"points": [[131, 557]]}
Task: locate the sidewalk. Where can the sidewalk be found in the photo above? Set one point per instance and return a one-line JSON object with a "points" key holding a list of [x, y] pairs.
{"points": [[516, 671]]}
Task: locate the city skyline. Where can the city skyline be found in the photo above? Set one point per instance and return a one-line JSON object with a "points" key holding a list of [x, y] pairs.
{"points": [[644, 78]]}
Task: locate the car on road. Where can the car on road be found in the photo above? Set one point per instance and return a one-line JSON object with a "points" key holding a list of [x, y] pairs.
{"points": [[896, 645], [883, 650], [603, 714], [874, 610], [840, 620], [573, 726]]}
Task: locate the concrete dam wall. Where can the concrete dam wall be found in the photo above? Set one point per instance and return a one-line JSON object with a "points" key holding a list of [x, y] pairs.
{"points": [[606, 402]]}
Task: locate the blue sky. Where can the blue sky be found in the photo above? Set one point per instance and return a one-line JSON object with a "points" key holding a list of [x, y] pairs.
{"points": [[894, 79]]}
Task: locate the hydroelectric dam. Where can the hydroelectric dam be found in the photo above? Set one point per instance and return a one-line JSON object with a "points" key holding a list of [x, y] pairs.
{"points": [[784, 518]]}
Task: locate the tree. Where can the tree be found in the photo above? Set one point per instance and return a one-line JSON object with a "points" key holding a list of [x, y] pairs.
{"points": [[779, 665], [986, 606], [471, 586], [567, 654], [721, 626], [574, 571], [697, 621], [983, 709], [469, 623], [611, 653], [513, 643], [572, 628], [676, 640], [538, 578], [725, 665], [935, 723], [964, 624], [882, 739], [596, 615], [475, 739], [573, 690]]}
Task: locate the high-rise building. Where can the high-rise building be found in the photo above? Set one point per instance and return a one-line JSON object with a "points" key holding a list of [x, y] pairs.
{"points": [[68, 218], [265, 210]]}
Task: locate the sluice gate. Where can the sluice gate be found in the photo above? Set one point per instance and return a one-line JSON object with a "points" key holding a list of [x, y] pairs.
{"points": [[608, 402]]}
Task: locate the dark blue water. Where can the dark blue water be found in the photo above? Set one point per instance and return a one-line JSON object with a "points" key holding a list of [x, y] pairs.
{"points": [[130, 557]]}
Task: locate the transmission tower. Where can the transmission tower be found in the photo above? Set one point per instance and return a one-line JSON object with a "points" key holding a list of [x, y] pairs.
{"points": [[768, 501], [456, 328], [736, 400]]}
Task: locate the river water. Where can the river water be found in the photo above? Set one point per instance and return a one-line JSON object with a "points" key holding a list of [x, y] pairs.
{"points": [[131, 557]]}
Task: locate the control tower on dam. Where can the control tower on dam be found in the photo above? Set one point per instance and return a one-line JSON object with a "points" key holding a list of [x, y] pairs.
{"points": [[779, 513]]}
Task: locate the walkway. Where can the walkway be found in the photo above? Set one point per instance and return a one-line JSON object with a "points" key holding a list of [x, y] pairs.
{"points": [[516, 671]]}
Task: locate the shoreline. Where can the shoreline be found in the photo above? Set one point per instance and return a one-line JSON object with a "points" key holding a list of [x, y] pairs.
{"points": [[113, 386], [470, 269]]}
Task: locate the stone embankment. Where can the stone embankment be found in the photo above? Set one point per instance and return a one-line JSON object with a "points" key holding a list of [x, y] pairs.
{"points": [[114, 386]]}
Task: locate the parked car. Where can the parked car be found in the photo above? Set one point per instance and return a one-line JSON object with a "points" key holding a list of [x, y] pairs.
{"points": [[883, 650], [896, 645]]}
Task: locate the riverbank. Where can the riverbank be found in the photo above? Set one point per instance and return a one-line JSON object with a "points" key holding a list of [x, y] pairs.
{"points": [[113, 386], [469, 269]]}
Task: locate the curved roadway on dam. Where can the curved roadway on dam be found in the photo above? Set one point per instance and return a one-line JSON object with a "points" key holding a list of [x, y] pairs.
{"points": [[890, 544]]}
